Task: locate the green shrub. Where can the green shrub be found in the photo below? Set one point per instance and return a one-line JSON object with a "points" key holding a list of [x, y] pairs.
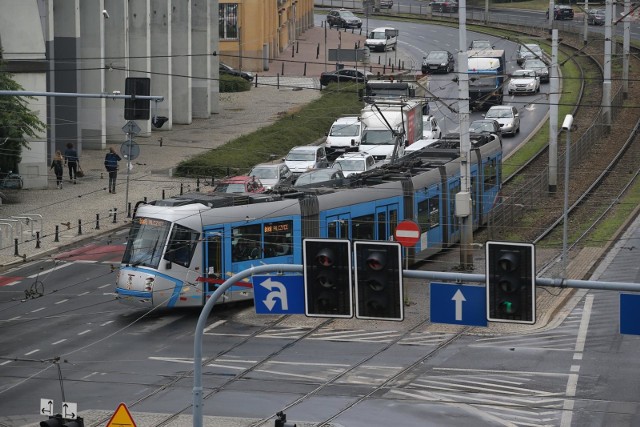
{"points": [[230, 83]]}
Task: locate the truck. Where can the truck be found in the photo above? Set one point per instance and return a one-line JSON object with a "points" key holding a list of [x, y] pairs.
{"points": [[487, 69], [390, 126]]}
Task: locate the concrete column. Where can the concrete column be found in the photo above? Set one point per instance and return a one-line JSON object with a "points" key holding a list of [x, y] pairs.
{"points": [[161, 81], [201, 41], [140, 49], [181, 65], [66, 21], [92, 118], [117, 66], [214, 61]]}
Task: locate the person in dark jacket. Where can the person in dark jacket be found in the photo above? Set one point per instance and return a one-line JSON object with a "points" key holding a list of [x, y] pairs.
{"points": [[111, 165], [58, 168], [71, 160]]}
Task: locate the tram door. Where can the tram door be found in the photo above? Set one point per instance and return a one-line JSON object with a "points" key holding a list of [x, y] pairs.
{"points": [[338, 227], [213, 263], [386, 222]]}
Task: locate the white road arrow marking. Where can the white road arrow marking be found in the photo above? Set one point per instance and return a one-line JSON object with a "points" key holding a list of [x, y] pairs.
{"points": [[458, 298], [280, 292]]}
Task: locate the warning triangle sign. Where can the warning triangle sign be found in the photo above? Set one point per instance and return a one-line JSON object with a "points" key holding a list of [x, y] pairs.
{"points": [[121, 418]]}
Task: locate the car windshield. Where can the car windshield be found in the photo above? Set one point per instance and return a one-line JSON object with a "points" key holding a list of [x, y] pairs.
{"points": [[437, 56], [480, 44], [315, 177], [351, 165], [479, 127], [301, 156], [264, 173], [230, 188], [347, 14], [378, 137], [535, 63], [345, 130], [377, 35], [523, 74], [499, 113]]}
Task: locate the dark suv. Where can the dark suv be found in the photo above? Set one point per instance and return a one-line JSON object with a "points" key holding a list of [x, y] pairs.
{"points": [[444, 6], [561, 12], [343, 18]]}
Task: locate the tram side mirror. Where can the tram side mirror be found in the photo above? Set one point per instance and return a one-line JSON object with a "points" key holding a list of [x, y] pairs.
{"points": [[168, 265]]}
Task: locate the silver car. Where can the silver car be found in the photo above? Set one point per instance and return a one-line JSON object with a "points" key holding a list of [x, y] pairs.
{"points": [[539, 67], [524, 81], [272, 174], [507, 116]]}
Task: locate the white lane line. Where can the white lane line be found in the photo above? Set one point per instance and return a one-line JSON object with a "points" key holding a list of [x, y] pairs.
{"points": [[45, 272], [214, 325], [288, 374], [38, 309], [572, 383], [575, 368], [104, 286], [32, 351], [12, 283], [61, 301], [84, 332], [85, 261], [84, 293], [5, 362], [89, 375], [106, 323], [59, 341]]}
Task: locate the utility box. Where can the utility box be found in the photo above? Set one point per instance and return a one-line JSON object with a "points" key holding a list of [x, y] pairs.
{"points": [[463, 204]]}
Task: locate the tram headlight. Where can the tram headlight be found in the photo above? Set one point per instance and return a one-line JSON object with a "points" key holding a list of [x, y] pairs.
{"points": [[148, 284]]}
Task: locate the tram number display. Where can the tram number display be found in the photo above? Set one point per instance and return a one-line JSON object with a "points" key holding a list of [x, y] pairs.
{"points": [[277, 227], [151, 222]]}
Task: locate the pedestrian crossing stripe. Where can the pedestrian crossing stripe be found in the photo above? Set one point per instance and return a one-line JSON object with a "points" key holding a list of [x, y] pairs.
{"points": [[121, 417]]}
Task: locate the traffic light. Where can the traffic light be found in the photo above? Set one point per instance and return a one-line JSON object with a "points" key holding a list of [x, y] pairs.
{"points": [[511, 279], [58, 421], [137, 109], [327, 278], [379, 281]]}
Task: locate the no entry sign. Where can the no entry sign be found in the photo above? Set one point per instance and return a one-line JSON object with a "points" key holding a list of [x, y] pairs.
{"points": [[407, 233]]}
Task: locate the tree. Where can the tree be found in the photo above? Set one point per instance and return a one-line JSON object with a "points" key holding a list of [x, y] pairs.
{"points": [[17, 122]]}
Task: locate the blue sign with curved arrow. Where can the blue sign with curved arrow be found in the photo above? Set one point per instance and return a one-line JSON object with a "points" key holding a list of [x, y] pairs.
{"points": [[278, 294]]}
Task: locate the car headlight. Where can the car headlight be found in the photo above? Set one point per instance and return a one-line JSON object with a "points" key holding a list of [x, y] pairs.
{"points": [[443, 64], [531, 84]]}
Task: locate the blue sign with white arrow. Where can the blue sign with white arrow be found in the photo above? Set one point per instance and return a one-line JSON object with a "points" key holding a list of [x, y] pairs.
{"points": [[458, 304], [278, 294]]}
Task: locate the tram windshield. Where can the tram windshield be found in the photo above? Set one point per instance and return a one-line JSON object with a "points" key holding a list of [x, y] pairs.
{"points": [[146, 242]]}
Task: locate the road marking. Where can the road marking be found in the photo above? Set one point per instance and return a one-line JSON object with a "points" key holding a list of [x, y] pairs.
{"points": [[84, 332], [12, 283], [214, 325], [5, 362], [104, 286], [84, 293], [61, 301], [106, 323], [37, 309], [572, 383], [59, 341], [45, 272], [85, 261], [32, 351], [89, 375]]}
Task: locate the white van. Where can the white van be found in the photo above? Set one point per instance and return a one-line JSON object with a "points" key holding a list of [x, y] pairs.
{"points": [[345, 135], [382, 39]]}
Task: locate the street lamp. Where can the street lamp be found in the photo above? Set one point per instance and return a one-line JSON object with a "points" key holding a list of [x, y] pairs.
{"points": [[566, 126]]}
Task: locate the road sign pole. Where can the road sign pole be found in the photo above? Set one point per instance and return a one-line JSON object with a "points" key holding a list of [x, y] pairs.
{"points": [[126, 196]]}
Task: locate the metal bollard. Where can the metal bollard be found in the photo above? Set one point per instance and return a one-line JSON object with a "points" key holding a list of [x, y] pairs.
{"points": [[79, 227], [278, 77], [57, 235], [37, 240], [181, 188], [197, 184], [304, 73], [97, 221], [160, 140], [297, 46], [282, 69], [129, 209], [392, 67], [144, 199], [15, 244], [355, 45], [318, 51], [384, 69], [115, 212], [256, 85], [293, 51], [378, 60], [162, 194]]}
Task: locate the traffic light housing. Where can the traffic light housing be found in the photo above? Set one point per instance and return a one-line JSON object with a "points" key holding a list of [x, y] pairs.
{"points": [[510, 282], [379, 293], [327, 278], [137, 109], [58, 421]]}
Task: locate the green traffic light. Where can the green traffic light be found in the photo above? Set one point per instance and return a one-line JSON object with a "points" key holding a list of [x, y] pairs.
{"points": [[508, 307]]}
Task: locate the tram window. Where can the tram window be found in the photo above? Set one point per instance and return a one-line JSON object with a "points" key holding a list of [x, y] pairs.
{"points": [[434, 211], [393, 222], [182, 244], [247, 243], [428, 214], [146, 241], [490, 173], [362, 227], [423, 215], [278, 239], [332, 230], [382, 226]]}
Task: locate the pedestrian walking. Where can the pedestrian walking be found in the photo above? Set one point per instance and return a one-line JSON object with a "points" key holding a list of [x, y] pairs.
{"points": [[72, 161], [111, 165], [58, 168]]}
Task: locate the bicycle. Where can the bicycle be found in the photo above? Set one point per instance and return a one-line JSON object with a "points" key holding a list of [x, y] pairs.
{"points": [[36, 290]]}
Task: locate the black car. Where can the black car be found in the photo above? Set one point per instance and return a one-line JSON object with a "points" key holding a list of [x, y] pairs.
{"points": [[485, 125], [595, 17], [344, 75], [438, 61], [226, 69], [561, 12], [444, 6], [343, 18]]}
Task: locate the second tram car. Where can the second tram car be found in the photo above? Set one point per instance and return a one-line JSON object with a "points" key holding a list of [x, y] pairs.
{"points": [[180, 249]]}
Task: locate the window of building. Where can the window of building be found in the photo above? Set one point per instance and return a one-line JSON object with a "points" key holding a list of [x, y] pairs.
{"points": [[228, 20]]}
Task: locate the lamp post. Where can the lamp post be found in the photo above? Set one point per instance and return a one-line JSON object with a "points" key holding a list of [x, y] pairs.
{"points": [[566, 126]]}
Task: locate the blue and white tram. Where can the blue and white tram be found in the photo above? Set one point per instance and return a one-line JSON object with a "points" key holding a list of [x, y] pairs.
{"points": [[180, 249]]}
